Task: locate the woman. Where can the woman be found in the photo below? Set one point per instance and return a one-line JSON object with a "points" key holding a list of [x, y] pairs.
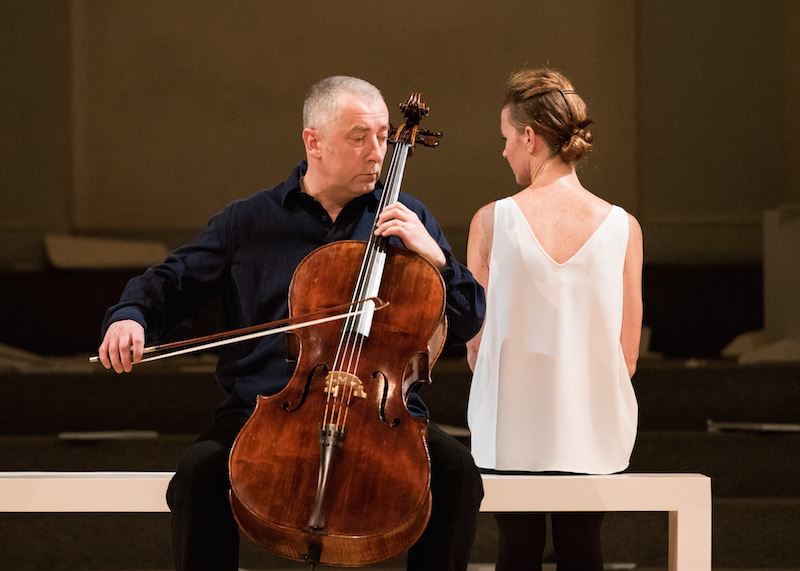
{"points": [[551, 390]]}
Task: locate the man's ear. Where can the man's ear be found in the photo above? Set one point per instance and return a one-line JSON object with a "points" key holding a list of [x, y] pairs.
{"points": [[311, 140]]}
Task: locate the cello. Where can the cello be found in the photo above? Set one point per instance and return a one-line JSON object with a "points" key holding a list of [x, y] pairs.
{"points": [[334, 469]]}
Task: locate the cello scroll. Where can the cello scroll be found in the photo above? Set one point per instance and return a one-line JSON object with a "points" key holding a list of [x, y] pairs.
{"points": [[409, 132]]}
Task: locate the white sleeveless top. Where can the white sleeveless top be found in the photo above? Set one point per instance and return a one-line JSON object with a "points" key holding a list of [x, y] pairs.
{"points": [[551, 390]]}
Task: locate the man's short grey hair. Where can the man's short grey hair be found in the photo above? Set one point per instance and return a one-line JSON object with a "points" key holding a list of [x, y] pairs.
{"points": [[321, 105]]}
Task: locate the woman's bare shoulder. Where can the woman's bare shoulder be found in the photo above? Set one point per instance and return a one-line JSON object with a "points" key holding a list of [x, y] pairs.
{"points": [[483, 220], [634, 230]]}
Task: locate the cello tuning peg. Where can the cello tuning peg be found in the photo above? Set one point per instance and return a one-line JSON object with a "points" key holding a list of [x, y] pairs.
{"points": [[428, 133], [428, 138]]}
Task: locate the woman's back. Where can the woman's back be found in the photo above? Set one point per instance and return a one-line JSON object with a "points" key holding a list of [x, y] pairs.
{"points": [[562, 216], [550, 389]]}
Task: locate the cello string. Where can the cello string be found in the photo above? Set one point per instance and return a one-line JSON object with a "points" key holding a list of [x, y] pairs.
{"points": [[361, 284], [375, 244], [355, 341], [352, 353]]}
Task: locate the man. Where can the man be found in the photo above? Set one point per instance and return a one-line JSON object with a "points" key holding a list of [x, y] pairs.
{"points": [[247, 256]]}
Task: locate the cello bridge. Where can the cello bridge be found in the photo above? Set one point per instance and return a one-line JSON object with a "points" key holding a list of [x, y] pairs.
{"points": [[341, 382]]}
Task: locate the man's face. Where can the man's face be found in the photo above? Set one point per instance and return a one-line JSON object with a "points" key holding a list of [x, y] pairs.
{"points": [[354, 146]]}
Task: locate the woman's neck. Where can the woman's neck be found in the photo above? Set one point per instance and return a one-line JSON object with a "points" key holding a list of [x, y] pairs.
{"points": [[550, 172]]}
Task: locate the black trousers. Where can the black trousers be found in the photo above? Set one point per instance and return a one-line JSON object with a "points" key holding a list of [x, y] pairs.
{"points": [[576, 539], [205, 535]]}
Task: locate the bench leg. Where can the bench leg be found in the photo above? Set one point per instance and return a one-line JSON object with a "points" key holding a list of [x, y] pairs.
{"points": [[690, 540]]}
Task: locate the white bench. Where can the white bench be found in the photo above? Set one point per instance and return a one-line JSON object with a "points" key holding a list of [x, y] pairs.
{"points": [[687, 498]]}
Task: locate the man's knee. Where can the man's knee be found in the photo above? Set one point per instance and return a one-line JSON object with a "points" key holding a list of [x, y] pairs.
{"points": [[453, 469], [202, 467]]}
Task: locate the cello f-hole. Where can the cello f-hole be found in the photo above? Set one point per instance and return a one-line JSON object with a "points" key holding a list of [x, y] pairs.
{"points": [[384, 399], [287, 405]]}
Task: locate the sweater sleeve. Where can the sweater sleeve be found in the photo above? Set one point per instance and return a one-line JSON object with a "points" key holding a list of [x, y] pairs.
{"points": [[174, 292], [465, 298]]}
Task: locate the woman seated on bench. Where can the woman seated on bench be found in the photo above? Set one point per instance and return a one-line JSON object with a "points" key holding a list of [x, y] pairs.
{"points": [[551, 389]]}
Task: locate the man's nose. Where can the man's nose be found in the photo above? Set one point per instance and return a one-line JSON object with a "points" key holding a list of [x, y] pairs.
{"points": [[377, 150]]}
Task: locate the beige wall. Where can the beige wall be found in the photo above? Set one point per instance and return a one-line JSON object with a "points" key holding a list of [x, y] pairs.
{"points": [[711, 94], [35, 126], [791, 128], [180, 107], [144, 118], [185, 105]]}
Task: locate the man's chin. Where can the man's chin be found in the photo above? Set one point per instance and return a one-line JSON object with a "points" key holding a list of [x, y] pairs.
{"points": [[368, 187]]}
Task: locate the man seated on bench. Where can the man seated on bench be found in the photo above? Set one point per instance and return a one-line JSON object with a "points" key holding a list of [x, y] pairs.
{"points": [[248, 255]]}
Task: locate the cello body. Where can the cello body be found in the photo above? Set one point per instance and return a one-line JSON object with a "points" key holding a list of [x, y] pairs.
{"points": [[356, 490]]}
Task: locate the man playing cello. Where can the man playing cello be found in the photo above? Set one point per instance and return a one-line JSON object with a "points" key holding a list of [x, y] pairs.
{"points": [[247, 255]]}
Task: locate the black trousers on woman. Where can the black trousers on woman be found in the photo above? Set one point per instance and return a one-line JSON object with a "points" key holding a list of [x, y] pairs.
{"points": [[205, 535], [576, 539]]}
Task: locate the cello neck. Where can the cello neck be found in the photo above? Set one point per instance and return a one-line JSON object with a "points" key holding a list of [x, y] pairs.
{"points": [[371, 273]]}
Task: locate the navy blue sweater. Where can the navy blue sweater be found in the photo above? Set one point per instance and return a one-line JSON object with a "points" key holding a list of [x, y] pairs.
{"points": [[246, 256]]}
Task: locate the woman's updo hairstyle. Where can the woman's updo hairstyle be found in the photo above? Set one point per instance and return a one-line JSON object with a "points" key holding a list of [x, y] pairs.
{"points": [[545, 100]]}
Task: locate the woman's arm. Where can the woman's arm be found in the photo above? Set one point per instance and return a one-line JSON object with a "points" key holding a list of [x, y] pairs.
{"points": [[479, 249], [632, 296]]}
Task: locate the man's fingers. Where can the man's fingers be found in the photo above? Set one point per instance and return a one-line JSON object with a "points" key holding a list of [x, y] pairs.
{"points": [[122, 346], [138, 349]]}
